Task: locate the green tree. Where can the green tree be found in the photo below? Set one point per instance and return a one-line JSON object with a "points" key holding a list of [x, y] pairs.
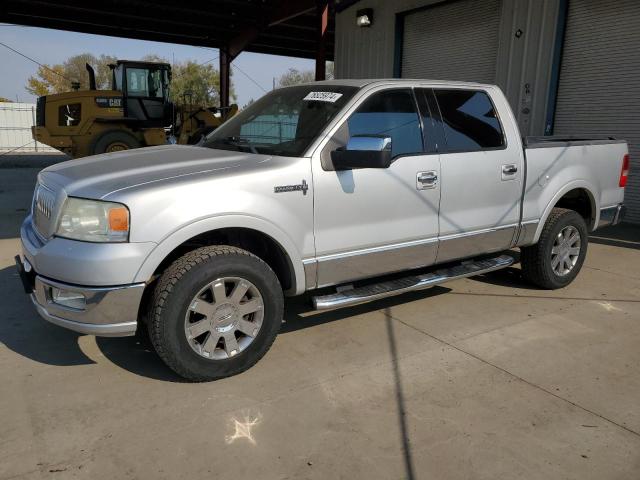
{"points": [[196, 83], [57, 78], [296, 77], [5, 100]]}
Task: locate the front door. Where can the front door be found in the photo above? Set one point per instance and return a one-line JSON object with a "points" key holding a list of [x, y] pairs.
{"points": [[371, 221]]}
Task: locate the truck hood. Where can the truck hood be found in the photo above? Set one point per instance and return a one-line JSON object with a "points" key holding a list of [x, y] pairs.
{"points": [[101, 175]]}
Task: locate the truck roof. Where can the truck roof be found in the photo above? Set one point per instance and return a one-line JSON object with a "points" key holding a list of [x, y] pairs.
{"points": [[362, 82]]}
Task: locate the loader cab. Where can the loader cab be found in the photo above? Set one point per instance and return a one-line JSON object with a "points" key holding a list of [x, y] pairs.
{"points": [[145, 91]]}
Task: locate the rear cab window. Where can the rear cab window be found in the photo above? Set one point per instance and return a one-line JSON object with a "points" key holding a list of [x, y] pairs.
{"points": [[469, 120]]}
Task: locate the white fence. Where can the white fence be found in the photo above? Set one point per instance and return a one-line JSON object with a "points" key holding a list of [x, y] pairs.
{"points": [[16, 120]]}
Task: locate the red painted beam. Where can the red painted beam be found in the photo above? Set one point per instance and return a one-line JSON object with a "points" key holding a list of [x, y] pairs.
{"points": [[322, 19]]}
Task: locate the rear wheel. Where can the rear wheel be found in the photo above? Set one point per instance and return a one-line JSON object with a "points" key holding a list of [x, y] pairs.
{"points": [[114, 141], [215, 312], [555, 261]]}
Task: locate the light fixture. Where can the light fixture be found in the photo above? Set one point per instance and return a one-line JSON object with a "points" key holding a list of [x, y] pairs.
{"points": [[364, 17], [67, 298]]}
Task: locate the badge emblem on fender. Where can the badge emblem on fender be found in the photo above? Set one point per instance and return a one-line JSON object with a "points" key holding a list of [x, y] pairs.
{"points": [[303, 187]]}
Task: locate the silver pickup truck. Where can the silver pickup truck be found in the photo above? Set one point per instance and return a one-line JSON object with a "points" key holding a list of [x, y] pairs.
{"points": [[362, 188]]}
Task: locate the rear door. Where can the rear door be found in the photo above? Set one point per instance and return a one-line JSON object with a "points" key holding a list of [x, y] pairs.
{"points": [[482, 172]]}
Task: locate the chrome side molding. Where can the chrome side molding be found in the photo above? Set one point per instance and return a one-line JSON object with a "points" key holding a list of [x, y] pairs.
{"points": [[368, 293]]}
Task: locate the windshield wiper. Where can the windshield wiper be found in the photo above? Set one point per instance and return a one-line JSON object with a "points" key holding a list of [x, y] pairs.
{"points": [[238, 142]]}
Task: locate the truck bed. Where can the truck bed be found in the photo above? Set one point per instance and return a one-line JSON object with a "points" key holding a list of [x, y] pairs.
{"points": [[557, 164], [568, 141]]}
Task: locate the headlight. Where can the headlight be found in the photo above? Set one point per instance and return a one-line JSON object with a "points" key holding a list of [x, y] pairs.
{"points": [[94, 221]]}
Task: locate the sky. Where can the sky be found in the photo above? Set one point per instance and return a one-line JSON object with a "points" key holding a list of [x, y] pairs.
{"points": [[54, 46]]}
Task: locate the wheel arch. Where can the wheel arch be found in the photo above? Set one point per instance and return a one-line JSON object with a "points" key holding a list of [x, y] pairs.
{"points": [[250, 233], [577, 196]]}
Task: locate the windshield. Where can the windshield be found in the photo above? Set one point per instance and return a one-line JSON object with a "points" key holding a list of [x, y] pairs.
{"points": [[283, 122]]}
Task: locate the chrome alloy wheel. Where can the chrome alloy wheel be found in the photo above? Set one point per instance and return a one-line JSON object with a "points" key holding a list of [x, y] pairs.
{"points": [[224, 318], [565, 250]]}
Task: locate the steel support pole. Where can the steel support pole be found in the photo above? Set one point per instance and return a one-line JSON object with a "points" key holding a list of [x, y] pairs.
{"points": [[225, 78]]}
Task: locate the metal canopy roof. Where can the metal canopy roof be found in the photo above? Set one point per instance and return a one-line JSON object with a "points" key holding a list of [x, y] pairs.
{"points": [[278, 27]]}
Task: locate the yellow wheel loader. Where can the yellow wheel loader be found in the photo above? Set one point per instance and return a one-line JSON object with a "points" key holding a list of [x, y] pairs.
{"points": [[135, 112]]}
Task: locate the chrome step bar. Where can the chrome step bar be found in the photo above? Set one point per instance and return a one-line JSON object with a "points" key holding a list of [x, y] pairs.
{"points": [[368, 293]]}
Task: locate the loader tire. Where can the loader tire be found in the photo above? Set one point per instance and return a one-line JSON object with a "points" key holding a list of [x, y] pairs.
{"points": [[114, 141]]}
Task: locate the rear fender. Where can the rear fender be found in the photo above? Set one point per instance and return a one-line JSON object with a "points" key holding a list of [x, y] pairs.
{"points": [[577, 184]]}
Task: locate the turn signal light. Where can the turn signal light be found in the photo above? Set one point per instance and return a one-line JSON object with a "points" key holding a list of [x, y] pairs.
{"points": [[624, 173], [119, 219]]}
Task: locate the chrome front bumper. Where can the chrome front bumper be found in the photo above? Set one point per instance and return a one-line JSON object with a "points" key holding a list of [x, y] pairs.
{"points": [[109, 311]]}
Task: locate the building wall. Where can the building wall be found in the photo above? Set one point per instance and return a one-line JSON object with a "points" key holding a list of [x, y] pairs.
{"points": [[369, 52], [579, 80], [598, 85], [524, 63]]}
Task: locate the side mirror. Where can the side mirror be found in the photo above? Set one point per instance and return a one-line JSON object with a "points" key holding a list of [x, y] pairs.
{"points": [[363, 152]]}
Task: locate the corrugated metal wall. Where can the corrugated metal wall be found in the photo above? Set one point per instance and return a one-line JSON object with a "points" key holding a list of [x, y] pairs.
{"points": [[598, 87], [436, 40], [16, 120], [525, 59], [599, 90], [369, 52], [522, 62]]}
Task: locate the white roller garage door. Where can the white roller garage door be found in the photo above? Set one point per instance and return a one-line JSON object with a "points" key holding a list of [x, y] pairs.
{"points": [[452, 41], [599, 91]]}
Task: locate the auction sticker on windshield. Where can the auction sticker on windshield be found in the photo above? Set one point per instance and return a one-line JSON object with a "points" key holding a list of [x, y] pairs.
{"points": [[322, 96]]}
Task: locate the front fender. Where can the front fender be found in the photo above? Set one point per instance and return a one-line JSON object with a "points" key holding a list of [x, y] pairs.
{"points": [[178, 237]]}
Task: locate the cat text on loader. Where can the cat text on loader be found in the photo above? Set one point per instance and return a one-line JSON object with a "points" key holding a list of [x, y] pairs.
{"points": [[135, 112]]}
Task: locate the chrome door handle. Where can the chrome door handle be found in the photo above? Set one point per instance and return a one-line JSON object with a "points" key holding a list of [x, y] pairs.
{"points": [[426, 180], [509, 172]]}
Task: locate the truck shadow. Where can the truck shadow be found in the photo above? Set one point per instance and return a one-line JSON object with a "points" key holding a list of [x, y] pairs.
{"points": [[24, 332], [623, 235], [136, 354]]}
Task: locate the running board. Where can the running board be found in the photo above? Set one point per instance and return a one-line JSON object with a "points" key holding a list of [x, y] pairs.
{"points": [[368, 293]]}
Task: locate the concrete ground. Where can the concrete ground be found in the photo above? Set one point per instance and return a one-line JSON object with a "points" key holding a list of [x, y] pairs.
{"points": [[486, 378]]}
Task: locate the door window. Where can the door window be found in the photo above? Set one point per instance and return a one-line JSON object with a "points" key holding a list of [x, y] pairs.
{"points": [[142, 82], [137, 84], [470, 120], [390, 113]]}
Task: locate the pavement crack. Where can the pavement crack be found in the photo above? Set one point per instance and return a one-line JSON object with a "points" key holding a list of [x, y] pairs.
{"points": [[611, 273], [544, 297], [517, 377]]}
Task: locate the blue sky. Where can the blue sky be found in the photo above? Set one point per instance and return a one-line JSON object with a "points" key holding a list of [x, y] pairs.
{"points": [[54, 46]]}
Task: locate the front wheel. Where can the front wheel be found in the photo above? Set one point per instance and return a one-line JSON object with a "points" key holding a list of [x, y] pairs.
{"points": [[555, 261], [215, 312]]}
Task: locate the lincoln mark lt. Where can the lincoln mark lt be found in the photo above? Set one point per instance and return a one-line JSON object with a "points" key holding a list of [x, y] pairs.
{"points": [[353, 190]]}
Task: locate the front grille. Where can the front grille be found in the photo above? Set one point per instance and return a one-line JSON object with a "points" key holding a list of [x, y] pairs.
{"points": [[44, 202], [41, 104]]}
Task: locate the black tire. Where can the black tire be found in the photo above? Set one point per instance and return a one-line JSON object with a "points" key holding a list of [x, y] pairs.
{"points": [[536, 259], [182, 281], [114, 140]]}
